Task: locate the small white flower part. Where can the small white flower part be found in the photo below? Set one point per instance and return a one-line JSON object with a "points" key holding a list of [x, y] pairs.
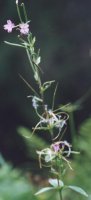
{"points": [[46, 106], [69, 148], [16, 2], [34, 102]]}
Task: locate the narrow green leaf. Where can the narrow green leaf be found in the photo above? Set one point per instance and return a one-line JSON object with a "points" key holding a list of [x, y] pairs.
{"points": [[48, 82], [14, 44], [44, 190], [24, 11], [33, 41], [56, 183], [54, 94], [28, 84], [78, 190]]}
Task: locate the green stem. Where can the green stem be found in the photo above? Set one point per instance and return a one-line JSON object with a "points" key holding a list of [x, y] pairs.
{"points": [[60, 195], [34, 68], [18, 11], [24, 10], [36, 71], [39, 80], [42, 97], [58, 179], [60, 192], [30, 60]]}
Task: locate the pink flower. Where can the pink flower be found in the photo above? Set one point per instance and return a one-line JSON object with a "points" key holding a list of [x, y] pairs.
{"points": [[24, 28], [56, 147], [9, 26]]}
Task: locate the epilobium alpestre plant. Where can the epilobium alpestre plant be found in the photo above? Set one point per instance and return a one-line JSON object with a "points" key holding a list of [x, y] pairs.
{"points": [[54, 121]]}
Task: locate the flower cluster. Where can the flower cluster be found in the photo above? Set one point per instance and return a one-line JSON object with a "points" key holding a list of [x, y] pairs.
{"points": [[50, 120], [60, 150], [23, 27]]}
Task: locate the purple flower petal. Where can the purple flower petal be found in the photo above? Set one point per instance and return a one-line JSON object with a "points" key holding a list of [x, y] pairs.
{"points": [[9, 26], [24, 28], [56, 147]]}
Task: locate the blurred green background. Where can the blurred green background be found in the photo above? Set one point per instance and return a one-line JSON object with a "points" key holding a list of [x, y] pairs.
{"points": [[63, 32]]}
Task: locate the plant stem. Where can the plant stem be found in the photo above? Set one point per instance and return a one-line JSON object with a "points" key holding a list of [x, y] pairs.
{"points": [[58, 179], [60, 192], [18, 11], [24, 10], [60, 195], [58, 186], [30, 60]]}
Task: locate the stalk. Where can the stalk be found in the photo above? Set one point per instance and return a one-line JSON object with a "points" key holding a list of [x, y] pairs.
{"points": [[60, 195], [19, 14], [24, 11]]}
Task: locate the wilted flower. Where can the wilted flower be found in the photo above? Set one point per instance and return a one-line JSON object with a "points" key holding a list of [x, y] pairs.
{"points": [[24, 28], [9, 26], [56, 150], [51, 120], [60, 146]]}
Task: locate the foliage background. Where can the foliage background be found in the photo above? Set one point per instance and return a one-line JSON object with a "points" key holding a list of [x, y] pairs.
{"points": [[63, 32]]}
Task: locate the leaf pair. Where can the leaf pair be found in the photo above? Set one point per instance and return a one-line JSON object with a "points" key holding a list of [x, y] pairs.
{"points": [[59, 186]]}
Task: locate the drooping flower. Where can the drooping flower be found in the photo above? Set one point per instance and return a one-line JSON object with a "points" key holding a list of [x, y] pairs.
{"points": [[9, 26], [24, 28], [50, 121], [60, 150]]}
